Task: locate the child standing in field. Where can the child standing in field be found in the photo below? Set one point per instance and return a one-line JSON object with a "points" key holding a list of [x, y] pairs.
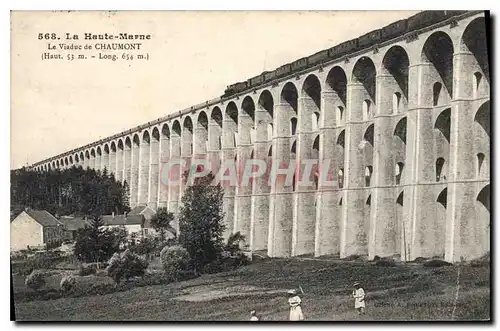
{"points": [[295, 310], [359, 298]]}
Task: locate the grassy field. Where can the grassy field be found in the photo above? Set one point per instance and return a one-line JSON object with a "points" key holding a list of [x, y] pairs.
{"points": [[403, 292]]}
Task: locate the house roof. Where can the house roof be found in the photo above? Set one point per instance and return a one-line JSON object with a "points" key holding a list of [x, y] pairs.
{"points": [[137, 210], [74, 223], [43, 217], [123, 220]]}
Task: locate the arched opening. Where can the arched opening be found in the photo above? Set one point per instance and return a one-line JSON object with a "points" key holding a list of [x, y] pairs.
{"points": [[231, 123], [442, 197], [216, 130], [312, 89], [401, 242], [440, 170], [201, 136], [367, 110], [187, 137], [77, 158], [246, 130], [481, 225], [293, 125], [145, 137], [474, 40], [396, 64], [340, 116], [484, 197], [364, 72], [341, 139], [315, 156], [341, 178], [482, 117], [399, 172], [336, 81], [315, 121], [113, 146], [443, 123], [396, 100], [136, 141], [368, 136], [340, 202], [266, 103], [289, 96], [400, 130], [368, 175], [293, 158], [476, 84], [480, 160], [436, 93], [438, 50]]}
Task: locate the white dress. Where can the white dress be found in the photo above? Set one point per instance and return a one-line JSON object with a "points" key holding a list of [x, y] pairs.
{"points": [[359, 298], [295, 310]]}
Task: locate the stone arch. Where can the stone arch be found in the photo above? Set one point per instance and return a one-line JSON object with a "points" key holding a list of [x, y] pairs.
{"points": [[216, 130], [270, 151], [341, 139], [443, 123], [266, 102], [176, 128], [479, 166], [293, 126], [289, 95], [203, 120], [216, 116], [165, 131], [231, 123], [441, 170], [99, 151], [53, 164], [336, 81], [77, 158], [438, 50], [365, 73], [483, 197], [106, 148], [70, 159], [66, 161], [92, 152], [145, 137], [187, 136], [87, 154], [312, 88], [315, 156], [400, 199], [121, 144], [57, 163], [396, 64], [155, 134], [136, 140], [400, 130], [482, 117], [187, 124], [113, 147], [474, 40], [82, 157], [442, 197], [368, 135], [246, 130]]}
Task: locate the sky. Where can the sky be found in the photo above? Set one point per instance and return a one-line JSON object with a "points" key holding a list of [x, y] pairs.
{"points": [[59, 105]]}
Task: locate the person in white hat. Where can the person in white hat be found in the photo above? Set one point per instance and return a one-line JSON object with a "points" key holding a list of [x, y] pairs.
{"points": [[295, 310], [254, 316], [359, 298]]}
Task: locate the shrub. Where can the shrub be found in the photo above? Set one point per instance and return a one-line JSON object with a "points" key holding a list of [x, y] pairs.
{"points": [[87, 270], [67, 283], [126, 266], [174, 260], [35, 280], [436, 263], [385, 262]]}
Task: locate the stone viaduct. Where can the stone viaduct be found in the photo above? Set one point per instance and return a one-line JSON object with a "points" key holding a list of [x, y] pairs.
{"points": [[406, 125]]}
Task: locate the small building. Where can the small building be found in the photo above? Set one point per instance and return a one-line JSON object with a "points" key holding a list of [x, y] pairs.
{"points": [[143, 210], [72, 225], [35, 228], [133, 224]]}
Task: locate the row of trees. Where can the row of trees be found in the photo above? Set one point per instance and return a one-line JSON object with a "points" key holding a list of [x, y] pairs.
{"points": [[73, 191]]}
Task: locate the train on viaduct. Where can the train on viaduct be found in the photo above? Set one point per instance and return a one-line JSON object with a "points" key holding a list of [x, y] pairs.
{"points": [[402, 112]]}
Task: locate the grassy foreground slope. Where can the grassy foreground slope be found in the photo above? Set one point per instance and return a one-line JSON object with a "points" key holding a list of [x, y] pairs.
{"points": [[403, 292]]}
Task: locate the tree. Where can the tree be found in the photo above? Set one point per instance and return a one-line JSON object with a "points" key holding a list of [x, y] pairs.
{"points": [[161, 222], [95, 244], [201, 222]]}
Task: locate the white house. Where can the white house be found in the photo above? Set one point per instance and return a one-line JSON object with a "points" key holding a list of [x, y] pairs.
{"points": [[35, 228]]}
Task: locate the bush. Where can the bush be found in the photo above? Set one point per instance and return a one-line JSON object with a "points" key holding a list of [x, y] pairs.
{"points": [[35, 280], [436, 263], [385, 262], [87, 270], [174, 260], [126, 266], [67, 283]]}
